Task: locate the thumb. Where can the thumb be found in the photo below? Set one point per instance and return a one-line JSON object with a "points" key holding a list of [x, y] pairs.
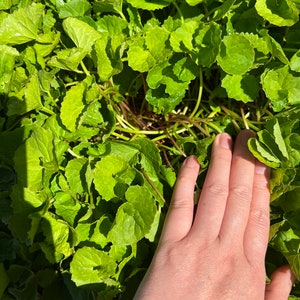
{"points": [[281, 284]]}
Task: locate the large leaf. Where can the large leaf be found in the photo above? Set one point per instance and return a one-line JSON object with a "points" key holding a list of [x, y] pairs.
{"points": [[21, 26]]}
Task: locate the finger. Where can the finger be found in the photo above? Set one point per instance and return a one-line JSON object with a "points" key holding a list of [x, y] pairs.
{"points": [[214, 193], [240, 190], [180, 215], [257, 231], [281, 284]]}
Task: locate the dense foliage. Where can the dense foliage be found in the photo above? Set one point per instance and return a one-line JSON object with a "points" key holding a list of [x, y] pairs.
{"points": [[101, 100]]}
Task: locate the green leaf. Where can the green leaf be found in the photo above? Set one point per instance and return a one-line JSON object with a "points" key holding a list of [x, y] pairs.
{"points": [[25, 99], [134, 218], [262, 153], [73, 8], [287, 242], [281, 86], [6, 4], [72, 102], [67, 59], [108, 6], [295, 62], [92, 266], [107, 174], [75, 174], [83, 35], [4, 279], [279, 13], [21, 26], [194, 2], [145, 62], [144, 4], [59, 239], [236, 54], [273, 83], [66, 207], [7, 63], [244, 88]]}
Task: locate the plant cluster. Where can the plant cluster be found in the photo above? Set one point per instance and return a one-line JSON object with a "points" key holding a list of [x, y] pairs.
{"points": [[101, 100]]}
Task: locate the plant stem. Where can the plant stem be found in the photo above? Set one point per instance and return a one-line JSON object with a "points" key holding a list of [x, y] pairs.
{"points": [[199, 95]]}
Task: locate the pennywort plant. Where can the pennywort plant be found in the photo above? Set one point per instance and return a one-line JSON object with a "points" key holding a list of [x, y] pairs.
{"points": [[100, 101]]}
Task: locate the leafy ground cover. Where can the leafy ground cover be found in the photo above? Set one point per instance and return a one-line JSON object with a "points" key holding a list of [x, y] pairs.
{"points": [[100, 101]]}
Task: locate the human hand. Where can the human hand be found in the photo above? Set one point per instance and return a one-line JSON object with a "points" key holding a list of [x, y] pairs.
{"points": [[220, 252]]}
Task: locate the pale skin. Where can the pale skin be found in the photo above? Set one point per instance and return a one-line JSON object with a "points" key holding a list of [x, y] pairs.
{"points": [[217, 252]]}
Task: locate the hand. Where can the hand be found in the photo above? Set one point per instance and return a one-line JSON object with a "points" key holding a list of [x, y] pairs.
{"points": [[219, 253]]}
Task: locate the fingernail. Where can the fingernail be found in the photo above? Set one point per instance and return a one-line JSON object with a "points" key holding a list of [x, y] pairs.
{"points": [[225, 141], [191, 162]]}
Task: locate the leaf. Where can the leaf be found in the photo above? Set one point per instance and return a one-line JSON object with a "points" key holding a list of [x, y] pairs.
{"points": [[4, 279], [7, 63], [67, 59], [236, 54], [72, 102], [244, 88], [194, 2], [223, 9], [108, 6], [107, 173], [92, 266], [273, 83], [262, 154], [73, 8], [58, 243], [281, 87], [287, 242], [26, 99], [66, 207], [295, 62], [21, 26], [147, 5], [75, 174], [279, 13], [83, 35], [134, 218], [145, 62]]}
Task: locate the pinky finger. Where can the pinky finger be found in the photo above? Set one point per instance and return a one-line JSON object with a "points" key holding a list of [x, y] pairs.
{"points": [[281, 284]]}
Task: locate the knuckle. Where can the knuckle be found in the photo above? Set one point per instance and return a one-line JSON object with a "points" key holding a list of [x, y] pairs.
{"points": [[260, 218], [217, 190], [241, 191]]}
